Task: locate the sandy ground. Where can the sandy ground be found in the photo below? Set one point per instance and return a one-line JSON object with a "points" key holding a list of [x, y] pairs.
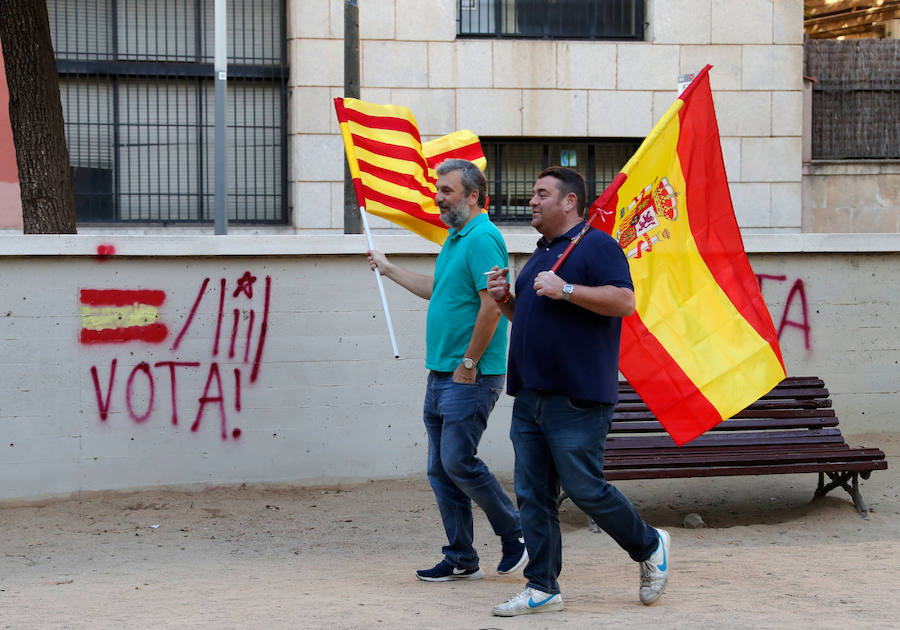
{"points": [[344, 557]]}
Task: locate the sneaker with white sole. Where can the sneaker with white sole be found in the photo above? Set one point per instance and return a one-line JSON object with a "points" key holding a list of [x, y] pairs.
{"points": [[514, 555], [655, 571], [443, 571], [529, 601]]}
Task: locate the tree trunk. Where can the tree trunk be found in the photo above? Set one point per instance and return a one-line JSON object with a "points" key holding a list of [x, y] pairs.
{"points": [[35, 113]]}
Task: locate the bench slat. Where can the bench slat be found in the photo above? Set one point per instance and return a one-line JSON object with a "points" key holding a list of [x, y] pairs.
{"points": [[724, 471], [653, 425], [731, 457]]}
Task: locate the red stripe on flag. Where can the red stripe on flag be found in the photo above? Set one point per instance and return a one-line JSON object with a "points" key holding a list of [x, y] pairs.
{"points": [[715, 230], [152, 333], [396, 151], [470, 152], [408, 207], [122, 297], [376, 123], [663, 385], [393, 177]]}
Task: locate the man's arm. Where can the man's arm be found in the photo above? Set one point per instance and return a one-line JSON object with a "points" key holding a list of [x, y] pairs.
{"points": [[416, 283], [485, 325], [604, 300]]}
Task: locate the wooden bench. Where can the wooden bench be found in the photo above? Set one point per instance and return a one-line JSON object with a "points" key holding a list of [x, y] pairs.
{"points": [[792, 429]]}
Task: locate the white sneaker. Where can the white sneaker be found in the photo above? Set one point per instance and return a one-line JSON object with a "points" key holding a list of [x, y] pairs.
{"points": [[655, 571], [530, 600]]}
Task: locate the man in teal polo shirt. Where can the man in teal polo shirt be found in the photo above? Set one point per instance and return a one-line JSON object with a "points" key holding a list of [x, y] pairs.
{"points": [[466, 356]]}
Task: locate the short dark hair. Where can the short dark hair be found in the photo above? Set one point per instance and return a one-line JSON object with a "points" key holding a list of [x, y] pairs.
{"points": [[568, 181], [471, 176]]}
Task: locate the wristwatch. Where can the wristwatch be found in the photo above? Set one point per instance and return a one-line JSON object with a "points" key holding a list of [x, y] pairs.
{"points": [[468, 363], [567, 291]]}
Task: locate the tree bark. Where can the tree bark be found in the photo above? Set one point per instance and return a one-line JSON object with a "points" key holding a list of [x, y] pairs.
{"points": [[35, 114]]}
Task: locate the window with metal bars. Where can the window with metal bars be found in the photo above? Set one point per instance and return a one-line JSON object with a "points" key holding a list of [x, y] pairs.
{"points": [[551, 19], [513, 167], [138, 96]]}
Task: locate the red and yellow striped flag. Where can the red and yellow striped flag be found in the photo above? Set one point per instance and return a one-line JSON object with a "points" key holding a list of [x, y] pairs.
{"points": [[701, 345], [392, 170], [121, 315]]}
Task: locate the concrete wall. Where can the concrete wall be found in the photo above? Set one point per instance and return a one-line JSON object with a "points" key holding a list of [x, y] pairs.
{"points": [[329, 401], [409, 55]]}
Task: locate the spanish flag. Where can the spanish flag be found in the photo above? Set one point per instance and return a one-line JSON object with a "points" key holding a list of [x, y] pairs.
{"points": [[701, 345], [121, 315], [392, 170]]}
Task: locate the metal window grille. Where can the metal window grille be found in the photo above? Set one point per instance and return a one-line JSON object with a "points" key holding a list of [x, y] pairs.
{"points": [[855, 99], [138, 97], [513, 167], [551, 19]]}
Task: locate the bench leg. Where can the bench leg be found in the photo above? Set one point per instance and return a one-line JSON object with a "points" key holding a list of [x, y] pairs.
{"points": [[840, 479]]}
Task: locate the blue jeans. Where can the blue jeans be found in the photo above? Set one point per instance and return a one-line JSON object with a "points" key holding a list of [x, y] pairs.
{"points": [[455, 417], [558, 441]]}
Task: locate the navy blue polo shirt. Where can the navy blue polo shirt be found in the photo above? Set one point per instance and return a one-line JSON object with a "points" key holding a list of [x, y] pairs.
{"points": [[559, 347]]}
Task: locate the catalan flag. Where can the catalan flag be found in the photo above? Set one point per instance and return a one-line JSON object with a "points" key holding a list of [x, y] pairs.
{"points": [[392, 170], [701, 345], [121, 315]]}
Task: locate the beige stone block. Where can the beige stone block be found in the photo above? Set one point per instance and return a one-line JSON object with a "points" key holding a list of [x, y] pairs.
{"points": [[662, 101], [460, 64], [851, 191], [772, 68], [311, 110], [731, 155], [316, 158], [771, 159], [585, 66], [337, 204], [390, 64], [831, 220], [787, 21], [554, 113], [787, 205], [725, 60], [431, 21], [643, 66], [435, 110], [745, 22], [376, 20], [311, 203], [752, 204], [336, 26], [875, 219], [620, 114], [316, 62], [382, 96], [524, 64], [680, 22], [309, 18], [787, 113], [490, 112], [743, 113]]}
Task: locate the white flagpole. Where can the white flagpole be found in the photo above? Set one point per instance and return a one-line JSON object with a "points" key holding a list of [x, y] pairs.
{"points": [[387, 314]]}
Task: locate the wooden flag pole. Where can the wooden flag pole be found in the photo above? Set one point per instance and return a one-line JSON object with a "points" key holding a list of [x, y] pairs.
{"points": [[387, 313]]}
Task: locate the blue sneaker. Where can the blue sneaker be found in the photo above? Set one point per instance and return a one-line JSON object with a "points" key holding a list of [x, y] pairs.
{"points": [[514, 555], [529, 601], [655, 571], [443, 571]]}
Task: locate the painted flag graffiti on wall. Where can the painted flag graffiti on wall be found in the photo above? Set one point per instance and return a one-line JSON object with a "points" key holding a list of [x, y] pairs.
{"points": [[121, 315], [392, 170], [701, 345]]}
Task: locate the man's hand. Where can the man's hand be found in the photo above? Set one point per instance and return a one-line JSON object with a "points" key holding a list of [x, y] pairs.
{"points": [[549, 285], [377, 260], [463, 375], [497, 284]]}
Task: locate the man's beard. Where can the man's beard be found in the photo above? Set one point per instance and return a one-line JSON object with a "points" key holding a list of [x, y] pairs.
{"points": [[456, 215]]}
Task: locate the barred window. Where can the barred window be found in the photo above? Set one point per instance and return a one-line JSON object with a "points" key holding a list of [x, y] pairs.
{"points": [[138, 97], [551, 19], [513, 167]]}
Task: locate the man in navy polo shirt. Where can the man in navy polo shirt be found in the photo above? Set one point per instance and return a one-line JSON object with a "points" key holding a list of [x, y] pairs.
{"points": [[466, 355], [563, 372]]}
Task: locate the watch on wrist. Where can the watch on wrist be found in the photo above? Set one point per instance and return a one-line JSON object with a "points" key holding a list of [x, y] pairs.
{"points": [[567, 291], [468, 363]]}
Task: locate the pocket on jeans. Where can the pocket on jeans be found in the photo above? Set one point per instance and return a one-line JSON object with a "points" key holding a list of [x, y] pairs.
{"points": [[582, 405]]}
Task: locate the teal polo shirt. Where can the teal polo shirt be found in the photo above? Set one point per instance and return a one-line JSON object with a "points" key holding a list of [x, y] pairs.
{"points": [[458, 276]]}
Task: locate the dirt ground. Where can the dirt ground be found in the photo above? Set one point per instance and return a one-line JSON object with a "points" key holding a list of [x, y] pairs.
{"points": [[344, 557]]}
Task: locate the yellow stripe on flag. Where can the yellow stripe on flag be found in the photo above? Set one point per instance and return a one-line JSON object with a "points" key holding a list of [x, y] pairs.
{"points": [[106, 317]]}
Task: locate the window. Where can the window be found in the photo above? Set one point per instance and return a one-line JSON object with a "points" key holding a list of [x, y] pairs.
{"points": [[552, 19], [138, 98], [513, 167]]}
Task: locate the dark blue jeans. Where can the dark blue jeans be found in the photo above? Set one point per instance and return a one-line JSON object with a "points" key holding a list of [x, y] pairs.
{"points": [[559, 442], [455, 417]]}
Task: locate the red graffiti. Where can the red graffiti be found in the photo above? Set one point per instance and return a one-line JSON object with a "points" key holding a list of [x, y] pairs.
{"points": [[121, 315], [105, 250], [139, 397], [797, 291]]}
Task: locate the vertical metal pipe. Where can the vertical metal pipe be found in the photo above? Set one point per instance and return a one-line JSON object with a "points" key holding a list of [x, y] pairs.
{"points": [[221, 75], [352, 221]]}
